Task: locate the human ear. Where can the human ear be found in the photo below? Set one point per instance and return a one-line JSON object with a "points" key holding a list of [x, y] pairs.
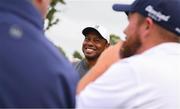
{"points": [[148, 23]]}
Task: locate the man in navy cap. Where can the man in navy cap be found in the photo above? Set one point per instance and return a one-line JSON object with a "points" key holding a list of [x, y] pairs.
{"points": [[147, 72], [33, 74]]}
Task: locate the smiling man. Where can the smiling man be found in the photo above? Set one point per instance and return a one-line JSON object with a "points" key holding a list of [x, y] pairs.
{"points": [[95, 42]]}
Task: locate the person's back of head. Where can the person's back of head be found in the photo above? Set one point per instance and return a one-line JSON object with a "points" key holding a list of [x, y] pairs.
{"points": [[33, 73], [42, 6], [26, 9]]}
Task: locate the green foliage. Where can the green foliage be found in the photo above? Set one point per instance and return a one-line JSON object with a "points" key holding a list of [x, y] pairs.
{"points": [[76, 54], [114, 39], [50, 16], [61, 50], [51, 20]]}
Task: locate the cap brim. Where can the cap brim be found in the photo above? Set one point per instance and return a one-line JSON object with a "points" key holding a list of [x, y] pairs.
{"points": [[89, 29], [122, 7]]}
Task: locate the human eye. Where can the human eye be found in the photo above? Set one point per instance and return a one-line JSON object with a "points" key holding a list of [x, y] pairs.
{"points": [[97, 40], [86, 39]]}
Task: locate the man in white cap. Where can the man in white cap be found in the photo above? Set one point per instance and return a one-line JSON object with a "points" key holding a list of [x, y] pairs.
{"points": [[95, 42], [146, 75]]}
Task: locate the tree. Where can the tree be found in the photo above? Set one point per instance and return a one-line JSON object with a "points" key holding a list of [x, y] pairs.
{"points": [[114, 39], [50, 16], [61, 50], [77, 55], [51, 19]]}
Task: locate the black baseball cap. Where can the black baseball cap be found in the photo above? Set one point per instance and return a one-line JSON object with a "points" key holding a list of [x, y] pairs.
{"points": [[164, 12]]}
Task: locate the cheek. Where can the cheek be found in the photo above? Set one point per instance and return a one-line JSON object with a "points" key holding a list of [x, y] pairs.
{"points": [[101, 47], [128, 29], [132, 31], [84, 44]]}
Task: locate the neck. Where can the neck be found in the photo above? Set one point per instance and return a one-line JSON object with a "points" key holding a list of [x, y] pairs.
{"points": [[90, 62], [156, 41]]}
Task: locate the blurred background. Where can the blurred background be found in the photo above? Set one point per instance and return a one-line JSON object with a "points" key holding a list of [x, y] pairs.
{"points": [[67, 18]]}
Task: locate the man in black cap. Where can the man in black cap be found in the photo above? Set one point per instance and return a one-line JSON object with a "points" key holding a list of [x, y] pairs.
{"points": [[147, 72], [95, 42]]}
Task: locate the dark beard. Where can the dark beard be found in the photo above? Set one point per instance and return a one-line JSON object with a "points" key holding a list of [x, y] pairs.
{"points": [[130, 47]]}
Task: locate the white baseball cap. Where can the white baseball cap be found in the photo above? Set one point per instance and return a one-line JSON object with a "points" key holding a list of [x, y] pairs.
{"points": [[98, 28]]}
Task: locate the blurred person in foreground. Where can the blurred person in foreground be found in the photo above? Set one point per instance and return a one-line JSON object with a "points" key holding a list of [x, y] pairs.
{"points": [[33, 74], [144, 71], [95, 42]]}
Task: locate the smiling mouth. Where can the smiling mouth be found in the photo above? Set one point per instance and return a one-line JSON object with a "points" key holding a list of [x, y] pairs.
{"points": [[89, 50]]}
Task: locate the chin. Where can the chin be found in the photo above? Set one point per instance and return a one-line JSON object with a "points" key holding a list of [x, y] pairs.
{"points": [[91, 57]]}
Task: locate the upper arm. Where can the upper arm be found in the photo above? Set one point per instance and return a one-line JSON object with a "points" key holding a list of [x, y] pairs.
{"points": [[113, 88]]}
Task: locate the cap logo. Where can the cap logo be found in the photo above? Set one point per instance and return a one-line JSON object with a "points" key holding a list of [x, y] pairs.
{"points": [[157, 16], [97, 26]]}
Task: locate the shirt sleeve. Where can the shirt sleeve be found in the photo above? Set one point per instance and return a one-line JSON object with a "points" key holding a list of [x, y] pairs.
{"points": [[112, 90]]}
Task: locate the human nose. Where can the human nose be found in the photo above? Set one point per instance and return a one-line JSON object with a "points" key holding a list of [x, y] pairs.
{"points": [[125, 31], [90, 43]]}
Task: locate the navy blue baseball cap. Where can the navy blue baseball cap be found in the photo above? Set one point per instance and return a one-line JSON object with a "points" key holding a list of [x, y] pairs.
{"points": [[165, 13]]}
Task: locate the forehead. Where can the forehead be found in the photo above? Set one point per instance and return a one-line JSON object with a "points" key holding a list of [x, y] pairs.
{"points": [[134, 15], [93, 33], [135, 19], [130, 15]]}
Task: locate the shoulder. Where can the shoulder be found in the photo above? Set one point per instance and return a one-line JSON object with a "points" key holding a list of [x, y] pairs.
{"points": [[75, 63], [78, 63], [116, 81]]}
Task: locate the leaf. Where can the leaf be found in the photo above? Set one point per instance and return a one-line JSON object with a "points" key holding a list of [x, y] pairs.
{"points": [[52, 11]]}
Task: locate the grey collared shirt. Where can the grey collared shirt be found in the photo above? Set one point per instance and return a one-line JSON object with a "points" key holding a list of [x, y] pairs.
{"points": [[81, 67]]}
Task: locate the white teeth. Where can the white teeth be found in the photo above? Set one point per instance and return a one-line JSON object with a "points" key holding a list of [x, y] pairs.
{"points": [[89, 50]]}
